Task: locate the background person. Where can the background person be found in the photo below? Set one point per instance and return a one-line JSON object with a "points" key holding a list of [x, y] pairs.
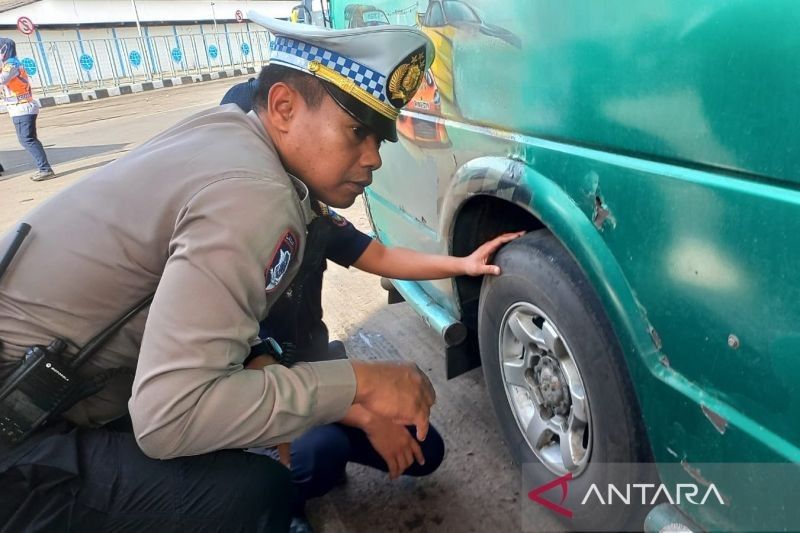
{"points": [[241, 94], [22, 108]]}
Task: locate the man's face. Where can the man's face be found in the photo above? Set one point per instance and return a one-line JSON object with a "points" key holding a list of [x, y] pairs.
{"points": [[331, 152]]}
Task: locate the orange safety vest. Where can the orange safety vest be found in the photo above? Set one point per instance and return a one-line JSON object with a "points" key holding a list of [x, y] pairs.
{"points": [[18, 90]]}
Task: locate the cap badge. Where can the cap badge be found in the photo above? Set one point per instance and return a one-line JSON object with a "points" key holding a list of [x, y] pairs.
{"points": [[406, 78]]}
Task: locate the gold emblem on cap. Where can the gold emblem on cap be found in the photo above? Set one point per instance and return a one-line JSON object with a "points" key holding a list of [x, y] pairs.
{"points": [[313, 66], [406, 79]]}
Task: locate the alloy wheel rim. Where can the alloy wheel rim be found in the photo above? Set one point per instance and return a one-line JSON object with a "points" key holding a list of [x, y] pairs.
{"points": [[544, 389]]}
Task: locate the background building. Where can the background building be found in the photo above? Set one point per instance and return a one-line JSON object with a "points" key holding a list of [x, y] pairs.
{"points": [[92, 43]]}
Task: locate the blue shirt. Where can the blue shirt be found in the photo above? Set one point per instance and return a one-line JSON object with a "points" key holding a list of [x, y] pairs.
{"points": [[241, 94], [346, 243]]}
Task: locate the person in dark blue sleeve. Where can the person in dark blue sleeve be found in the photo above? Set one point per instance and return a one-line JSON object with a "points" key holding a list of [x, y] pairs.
{"points": [[318, 458], [297, 316], [241, 94]]}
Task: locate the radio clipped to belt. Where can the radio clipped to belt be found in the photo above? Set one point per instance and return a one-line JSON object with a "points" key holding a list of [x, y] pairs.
{"points": [[47, 382]]}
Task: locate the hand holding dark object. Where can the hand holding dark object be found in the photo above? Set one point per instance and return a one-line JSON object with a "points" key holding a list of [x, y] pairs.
{"points": [[400, 392]]}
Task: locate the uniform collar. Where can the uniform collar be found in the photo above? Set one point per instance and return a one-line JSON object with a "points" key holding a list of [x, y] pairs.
{"points": [[299, 186], [305, 199]]}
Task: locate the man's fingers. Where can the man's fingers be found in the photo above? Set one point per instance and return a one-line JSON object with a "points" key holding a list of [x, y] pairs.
{"points": [[417, 451], [506, 237], [511, 236], [285, 455], [423, 405], [408, 460], [497, 242], [393, 468], [429, 392], [422, 427], [492, 270], [489, 248], [260, 361], [419, 419]]}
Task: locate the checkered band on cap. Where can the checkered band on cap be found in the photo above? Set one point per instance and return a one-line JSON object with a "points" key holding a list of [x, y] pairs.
{"points": [[300, 54]]}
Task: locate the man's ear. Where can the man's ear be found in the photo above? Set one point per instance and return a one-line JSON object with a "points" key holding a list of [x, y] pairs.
{"points": [[282, 105]]}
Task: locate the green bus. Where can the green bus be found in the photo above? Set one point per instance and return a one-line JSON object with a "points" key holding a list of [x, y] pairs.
{"points": [[651, 149]]}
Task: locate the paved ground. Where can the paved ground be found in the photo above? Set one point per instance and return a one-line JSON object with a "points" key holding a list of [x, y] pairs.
{"points": [[476, 489]]}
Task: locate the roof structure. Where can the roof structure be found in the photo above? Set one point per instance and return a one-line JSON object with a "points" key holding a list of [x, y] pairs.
{"points": [[7, 5]]}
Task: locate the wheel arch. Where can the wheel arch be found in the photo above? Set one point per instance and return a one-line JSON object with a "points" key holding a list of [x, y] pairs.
{"points": [[491, 195]]}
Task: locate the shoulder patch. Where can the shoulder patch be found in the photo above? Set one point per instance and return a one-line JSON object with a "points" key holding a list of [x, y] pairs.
{"points": [[281, 259], [337, 219]]}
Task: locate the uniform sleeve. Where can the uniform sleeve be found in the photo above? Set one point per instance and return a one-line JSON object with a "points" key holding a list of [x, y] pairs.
{"points": [[191, 394], [346, 242]]}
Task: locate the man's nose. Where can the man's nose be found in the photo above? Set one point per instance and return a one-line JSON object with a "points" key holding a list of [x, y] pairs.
{"points": [[372, 155]]}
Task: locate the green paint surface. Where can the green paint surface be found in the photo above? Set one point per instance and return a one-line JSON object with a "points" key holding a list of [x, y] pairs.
{"points": [[681, 119]]}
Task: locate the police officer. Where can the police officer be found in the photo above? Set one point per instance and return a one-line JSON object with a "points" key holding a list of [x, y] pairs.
{"points": [[22, 108], [210, 215]]}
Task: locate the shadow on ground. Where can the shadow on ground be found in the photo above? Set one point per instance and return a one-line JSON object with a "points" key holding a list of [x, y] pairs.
{"points": [[16, 161]]}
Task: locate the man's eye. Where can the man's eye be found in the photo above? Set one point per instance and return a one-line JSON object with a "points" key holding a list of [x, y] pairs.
{"points": [[360, 133]]}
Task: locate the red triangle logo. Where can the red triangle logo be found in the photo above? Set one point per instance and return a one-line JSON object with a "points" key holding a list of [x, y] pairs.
{"points": [[536, 494]]}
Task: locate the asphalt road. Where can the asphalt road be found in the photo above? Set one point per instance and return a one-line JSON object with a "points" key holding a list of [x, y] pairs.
{"points": [[477, 488]]}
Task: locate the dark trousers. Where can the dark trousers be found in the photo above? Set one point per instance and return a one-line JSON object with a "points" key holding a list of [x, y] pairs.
{"points": [[320, 455], [99, 480], [26, 133]]}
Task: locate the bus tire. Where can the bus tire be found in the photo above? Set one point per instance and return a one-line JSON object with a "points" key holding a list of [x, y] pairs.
{"points": [[558, 381]]}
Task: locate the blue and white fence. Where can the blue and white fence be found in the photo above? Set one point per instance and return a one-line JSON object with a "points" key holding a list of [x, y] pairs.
{"points": [[62, 65]]}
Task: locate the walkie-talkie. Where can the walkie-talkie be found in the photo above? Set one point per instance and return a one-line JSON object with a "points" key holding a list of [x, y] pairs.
{"points": [[46, 384], [37, 389]]}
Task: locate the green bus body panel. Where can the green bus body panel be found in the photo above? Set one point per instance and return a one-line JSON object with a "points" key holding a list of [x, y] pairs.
{"points": [[687, 80], [659, 142]]}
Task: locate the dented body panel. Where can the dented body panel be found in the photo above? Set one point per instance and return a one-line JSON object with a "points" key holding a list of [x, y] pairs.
{"points": [[658, 142]]}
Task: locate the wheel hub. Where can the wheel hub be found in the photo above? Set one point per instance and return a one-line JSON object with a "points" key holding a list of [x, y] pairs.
{"points": [[552, 388]]}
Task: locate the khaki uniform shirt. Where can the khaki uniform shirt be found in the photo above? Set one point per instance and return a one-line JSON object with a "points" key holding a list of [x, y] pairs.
{"points": [[204, 215]]}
